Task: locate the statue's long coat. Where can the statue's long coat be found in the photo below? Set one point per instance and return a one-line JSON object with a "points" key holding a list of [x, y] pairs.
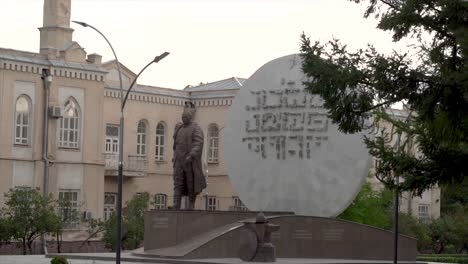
{"points": [[196, 150]]}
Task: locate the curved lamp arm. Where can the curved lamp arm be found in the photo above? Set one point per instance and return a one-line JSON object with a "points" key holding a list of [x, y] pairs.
{"points": [[155, 60], [113, 51]]}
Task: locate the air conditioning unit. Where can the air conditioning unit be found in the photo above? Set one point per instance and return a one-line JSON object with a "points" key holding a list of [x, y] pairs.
{"points": [[87, 215], [55, 112]]}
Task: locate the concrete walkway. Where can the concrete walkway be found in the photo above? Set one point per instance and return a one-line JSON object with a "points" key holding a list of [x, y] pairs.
{"points": [[127, 258], [41, 259]]}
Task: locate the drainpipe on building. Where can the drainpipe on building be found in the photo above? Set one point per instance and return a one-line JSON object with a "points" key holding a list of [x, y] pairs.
{"points": [[47, 81]]}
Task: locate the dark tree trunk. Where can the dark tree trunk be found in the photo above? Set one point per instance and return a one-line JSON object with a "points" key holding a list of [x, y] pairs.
{"points": [[441, 248], [30, 247], [59, 242], [24, 246]]}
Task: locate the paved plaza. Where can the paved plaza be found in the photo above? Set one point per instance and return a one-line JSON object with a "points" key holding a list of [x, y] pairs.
{"points": [[41, 259]]}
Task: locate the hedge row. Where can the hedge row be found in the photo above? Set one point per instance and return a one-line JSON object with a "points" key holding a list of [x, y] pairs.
{"points": [[448, 258], [444, 255]]}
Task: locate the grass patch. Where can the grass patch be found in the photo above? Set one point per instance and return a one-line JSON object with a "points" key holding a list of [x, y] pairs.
{"points": [[447, 258]]}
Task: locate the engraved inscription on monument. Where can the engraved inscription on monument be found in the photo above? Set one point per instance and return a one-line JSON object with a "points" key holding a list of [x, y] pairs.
{"points": [[333, 234], [160, 223], [282, 151], [302, 234], [286, 123]]}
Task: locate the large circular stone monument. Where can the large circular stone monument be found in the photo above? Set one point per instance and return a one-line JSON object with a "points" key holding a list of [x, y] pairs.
{"points": [[283, 153]]}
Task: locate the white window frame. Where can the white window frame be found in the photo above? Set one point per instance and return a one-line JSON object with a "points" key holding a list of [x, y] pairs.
{"points": [[74, 208], [112, 141], [160, 143], [70, 125], [141, 138], [23, 122], [110, 204], [211, 203], [213, 143], [424, 213], [160, 201]]}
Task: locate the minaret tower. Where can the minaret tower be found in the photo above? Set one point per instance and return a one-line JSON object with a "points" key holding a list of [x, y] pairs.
{"points": [[55, 31]]}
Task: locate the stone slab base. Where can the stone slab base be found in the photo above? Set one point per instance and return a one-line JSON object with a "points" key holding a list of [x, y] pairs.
{"points": [[128, 257], [220, 235]]}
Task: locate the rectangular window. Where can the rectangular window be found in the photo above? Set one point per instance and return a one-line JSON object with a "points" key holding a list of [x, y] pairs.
{"points": [[141, 139], [160, 141], [22, 126], [160, 201], [112, 139], [141, 144], [423, 213], [69, 208], [110, 203], [159, 152], [213, 143], [212, 203]]}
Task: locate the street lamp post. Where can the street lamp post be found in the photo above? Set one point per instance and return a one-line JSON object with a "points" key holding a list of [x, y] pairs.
{"points": [[121, 139], [397, 209]]}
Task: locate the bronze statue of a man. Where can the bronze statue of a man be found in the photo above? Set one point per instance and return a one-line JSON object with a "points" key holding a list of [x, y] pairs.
{"points": [[189, 179]]}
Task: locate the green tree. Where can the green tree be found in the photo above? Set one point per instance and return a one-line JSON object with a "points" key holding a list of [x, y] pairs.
{"points": [[370, 207], [28, 215], [69, 216], [359, 85], [443, 234], [95, 227], [376, 208], [453, 196], [411, 226], [450, 231], [461, 229], [133, 227], [5, 229]]}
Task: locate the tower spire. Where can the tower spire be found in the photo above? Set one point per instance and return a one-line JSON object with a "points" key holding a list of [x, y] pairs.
{"points": [[55, 31]]}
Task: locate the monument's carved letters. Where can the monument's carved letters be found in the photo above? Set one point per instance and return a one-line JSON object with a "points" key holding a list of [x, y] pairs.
{"points": [[288, 122]]}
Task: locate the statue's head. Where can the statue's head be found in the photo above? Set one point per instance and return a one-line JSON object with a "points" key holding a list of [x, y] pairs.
{"points": [[189, 112], [187, 117]]}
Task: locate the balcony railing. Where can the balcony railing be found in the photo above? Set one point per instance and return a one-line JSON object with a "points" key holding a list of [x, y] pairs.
{"points": [[132, 163], [238, 208]]}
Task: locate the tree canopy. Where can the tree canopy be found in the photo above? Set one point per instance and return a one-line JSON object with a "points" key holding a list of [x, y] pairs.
{"points": [[26, 216], [432, 82], [132, 224], [371, 207]]}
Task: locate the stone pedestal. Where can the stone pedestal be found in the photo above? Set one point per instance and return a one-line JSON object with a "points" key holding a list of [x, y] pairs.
{"points": [[264, 250], [201, 234], [265, 253]]}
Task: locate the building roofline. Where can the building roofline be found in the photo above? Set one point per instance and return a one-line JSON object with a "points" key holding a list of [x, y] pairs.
{"points": [[198, 87], [22, 52], [121, 65]]}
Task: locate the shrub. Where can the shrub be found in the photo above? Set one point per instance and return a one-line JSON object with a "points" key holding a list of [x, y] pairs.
{"points": [[58, 260]]}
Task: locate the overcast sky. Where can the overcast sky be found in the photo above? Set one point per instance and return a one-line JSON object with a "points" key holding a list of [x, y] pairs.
{"points": [[209, 40]]}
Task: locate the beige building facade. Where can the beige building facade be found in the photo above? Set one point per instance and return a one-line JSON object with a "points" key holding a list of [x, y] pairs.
{"points": [[426, 206], [60, 108]]}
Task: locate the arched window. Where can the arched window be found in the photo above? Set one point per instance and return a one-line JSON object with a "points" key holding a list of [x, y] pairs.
{"points": [[23, 120], [70, 125], [141, 138], [213, 143], [160, 141]]}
